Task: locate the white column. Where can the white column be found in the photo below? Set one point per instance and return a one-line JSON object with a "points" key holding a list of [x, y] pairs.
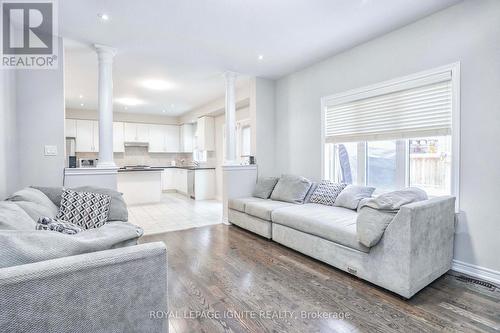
{"points": [[105, 56], [230, 79]]}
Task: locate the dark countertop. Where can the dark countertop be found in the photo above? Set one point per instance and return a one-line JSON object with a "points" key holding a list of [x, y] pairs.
{"points": [[188, 167], [166, 167]]}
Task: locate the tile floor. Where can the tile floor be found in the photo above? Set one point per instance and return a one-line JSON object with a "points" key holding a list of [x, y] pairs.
{"points": [[175, 212]]}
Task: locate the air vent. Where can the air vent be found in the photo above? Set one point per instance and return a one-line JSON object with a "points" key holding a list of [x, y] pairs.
{"points": [[476, 281]]}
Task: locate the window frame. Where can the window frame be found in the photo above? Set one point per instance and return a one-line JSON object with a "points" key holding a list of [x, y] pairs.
{"points": [[385, 87]]}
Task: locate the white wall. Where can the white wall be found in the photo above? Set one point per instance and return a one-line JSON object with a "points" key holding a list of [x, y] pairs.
{"points": [[468, 32], [8, 151], [40, 122], [262, 114], [241, 114]]}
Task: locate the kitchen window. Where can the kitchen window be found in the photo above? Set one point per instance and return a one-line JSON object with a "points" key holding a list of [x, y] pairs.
{"points": [[399, 133]]}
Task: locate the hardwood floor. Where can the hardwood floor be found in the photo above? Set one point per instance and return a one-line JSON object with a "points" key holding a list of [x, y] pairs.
{"points": [[219, 270]]}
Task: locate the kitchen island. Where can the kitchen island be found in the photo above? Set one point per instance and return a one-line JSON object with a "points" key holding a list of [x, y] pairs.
{"points": [[140, 185]]}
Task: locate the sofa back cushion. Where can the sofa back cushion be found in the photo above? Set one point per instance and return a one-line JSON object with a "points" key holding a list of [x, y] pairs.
{"points": [[351, 196], [13, 217], [326, 193], [264, 187], [34, 210], [291, 189], [36, 196], [117, 208]]}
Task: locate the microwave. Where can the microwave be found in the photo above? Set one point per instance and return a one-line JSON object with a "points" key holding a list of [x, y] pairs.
{"points": [[87, 163]]}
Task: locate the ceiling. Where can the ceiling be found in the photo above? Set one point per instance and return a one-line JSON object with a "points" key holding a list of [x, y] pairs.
{"points": [[189, 44]]}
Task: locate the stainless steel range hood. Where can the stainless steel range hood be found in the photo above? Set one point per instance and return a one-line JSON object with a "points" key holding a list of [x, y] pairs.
{"points": [[136, 144]]}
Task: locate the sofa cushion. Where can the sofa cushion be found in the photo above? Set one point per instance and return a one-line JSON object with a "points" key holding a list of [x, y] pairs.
{"points": [[117, 208], [13, 217], [36, 196], [263, 209], [239, 203], [351, 196], [87, 209], [291, 189], [327, 192], [34, 210], [335, 224], [265, 187]]}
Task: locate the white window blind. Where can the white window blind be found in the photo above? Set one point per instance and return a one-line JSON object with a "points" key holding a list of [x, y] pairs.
{"points": [[408, 109]]}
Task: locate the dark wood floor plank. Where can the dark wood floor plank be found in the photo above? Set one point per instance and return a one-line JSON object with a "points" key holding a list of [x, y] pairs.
{"points": [[224, 269]]}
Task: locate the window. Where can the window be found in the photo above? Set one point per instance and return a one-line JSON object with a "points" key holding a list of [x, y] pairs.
{"points": [[395, 134], [246, 132]]}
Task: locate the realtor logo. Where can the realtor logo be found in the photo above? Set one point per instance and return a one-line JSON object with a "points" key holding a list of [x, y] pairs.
{"points": [[29, 34]]}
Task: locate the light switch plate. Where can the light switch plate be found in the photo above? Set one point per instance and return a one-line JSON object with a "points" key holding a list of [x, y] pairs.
{"points": [[50, 150]]}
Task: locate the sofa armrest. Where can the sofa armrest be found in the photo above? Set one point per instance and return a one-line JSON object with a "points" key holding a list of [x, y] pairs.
{"points": [[106, 291], [420, 239]]}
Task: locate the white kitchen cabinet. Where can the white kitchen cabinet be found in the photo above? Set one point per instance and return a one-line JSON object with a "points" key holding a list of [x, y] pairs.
{"points": [[182, 181], [118, 138], [205, 133], [135, 132], [163, 139], [70, 128], [186, 138], [204, 184], [172, 139], [87, 136], [168, 179], [157, 139]]}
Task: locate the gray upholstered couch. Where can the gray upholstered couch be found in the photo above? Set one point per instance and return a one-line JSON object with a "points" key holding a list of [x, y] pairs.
{"points": [[415, 249], [98, 280]]}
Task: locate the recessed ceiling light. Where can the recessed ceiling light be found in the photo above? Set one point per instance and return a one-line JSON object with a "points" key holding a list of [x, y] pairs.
{"points": [[260, 57], [81, 104], [103, 16], [130, 101], [81, 96], [171, 105], [163, 111], [126, 108], [155, 84]]}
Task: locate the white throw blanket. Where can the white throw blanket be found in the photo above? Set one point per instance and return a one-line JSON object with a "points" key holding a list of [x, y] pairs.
{"points": [[375, 214]]}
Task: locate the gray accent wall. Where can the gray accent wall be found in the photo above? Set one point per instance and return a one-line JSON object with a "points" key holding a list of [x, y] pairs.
{"points": [[8, 142], [40, 122], [467, 32]]}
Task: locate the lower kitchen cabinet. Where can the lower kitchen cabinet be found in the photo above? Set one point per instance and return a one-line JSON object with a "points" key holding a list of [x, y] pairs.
{"points": [[175, 179]]}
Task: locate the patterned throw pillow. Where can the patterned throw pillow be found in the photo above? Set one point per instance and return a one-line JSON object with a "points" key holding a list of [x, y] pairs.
{"points": [[53, 224], [326, 193], [85, 209]]}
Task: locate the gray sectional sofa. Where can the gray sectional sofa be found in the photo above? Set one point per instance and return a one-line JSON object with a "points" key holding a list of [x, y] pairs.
{"points": [[98, 280], [415, 249]]}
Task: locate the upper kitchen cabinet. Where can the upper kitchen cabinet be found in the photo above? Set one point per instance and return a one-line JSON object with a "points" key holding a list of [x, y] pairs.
{"points": [[186, 137], [135, 132], [70, 128], [205, 133], [163, 139], [118, 137], [87, 136]]}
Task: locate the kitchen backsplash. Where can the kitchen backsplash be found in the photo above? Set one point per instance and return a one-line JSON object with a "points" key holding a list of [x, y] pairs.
{"points": [[141, 156]]}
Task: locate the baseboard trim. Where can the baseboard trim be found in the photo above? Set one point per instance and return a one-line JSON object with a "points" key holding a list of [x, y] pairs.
{"points": [[476, 271]]}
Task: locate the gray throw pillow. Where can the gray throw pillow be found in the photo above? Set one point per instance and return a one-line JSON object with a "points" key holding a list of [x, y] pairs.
{"points": [[326, 193], [13, 217], [53, 193], [36, 196], [309, 194], [291, 189], [351, 196], [265, 187], [86, 209]]}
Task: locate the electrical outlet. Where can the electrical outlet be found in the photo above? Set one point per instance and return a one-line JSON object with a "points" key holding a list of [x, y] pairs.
{"points": [[50, 150]]}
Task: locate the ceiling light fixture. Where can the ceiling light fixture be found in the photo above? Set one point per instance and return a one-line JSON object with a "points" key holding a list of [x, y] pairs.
{"points": [[155, 84], [260, 57], [81, 96], [129, 101], [163, 111], [81, 104], [103, 17]]}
